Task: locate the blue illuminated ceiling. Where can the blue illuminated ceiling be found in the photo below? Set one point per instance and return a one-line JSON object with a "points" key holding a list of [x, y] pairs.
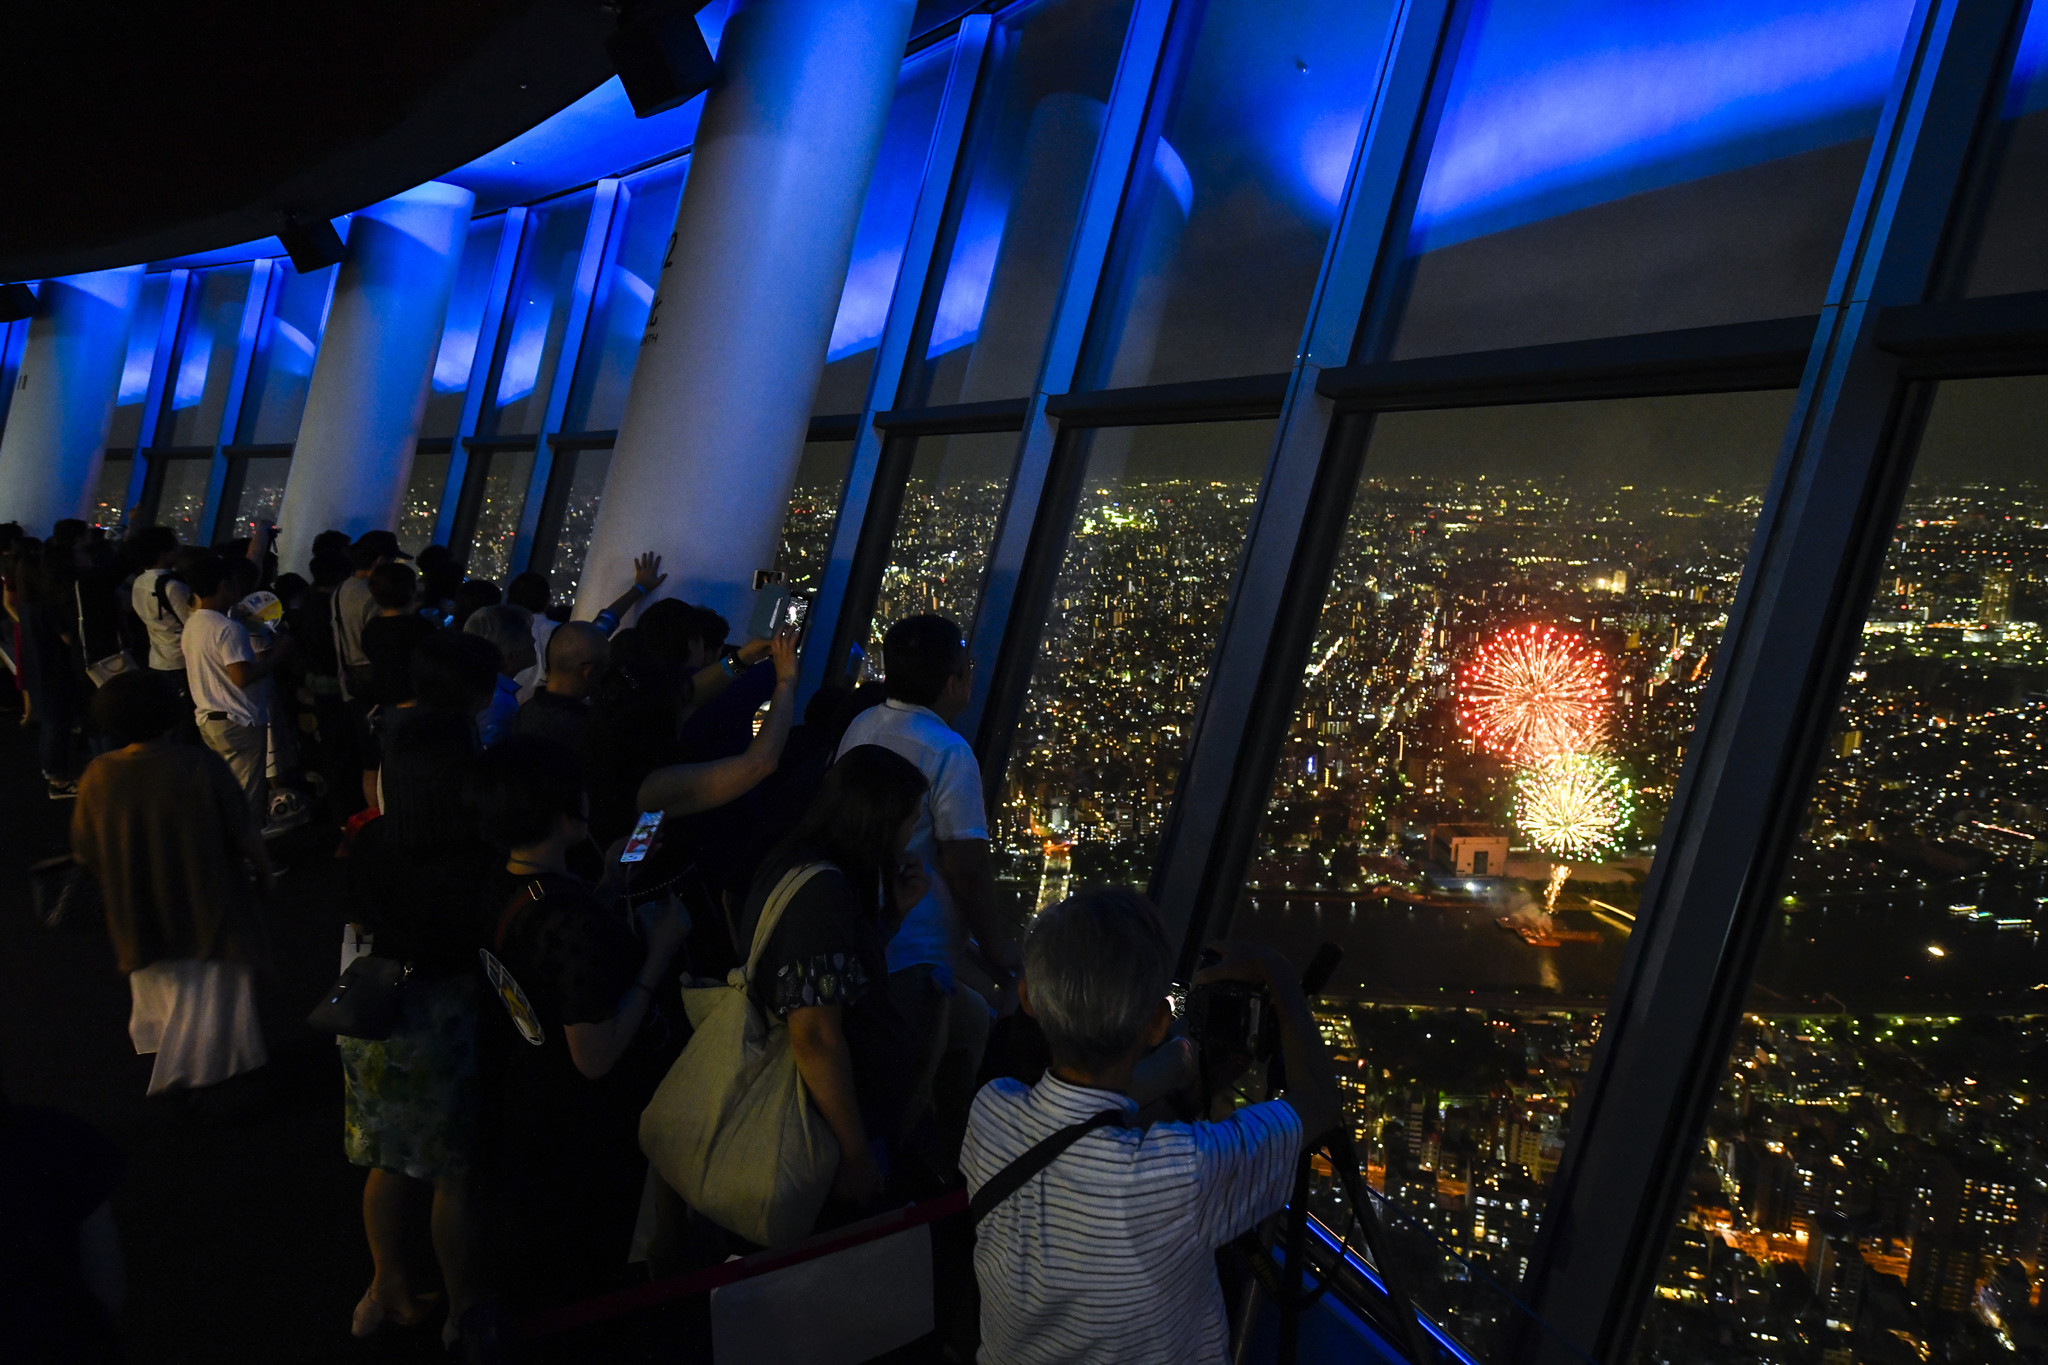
{"points": [[1554, 105]]}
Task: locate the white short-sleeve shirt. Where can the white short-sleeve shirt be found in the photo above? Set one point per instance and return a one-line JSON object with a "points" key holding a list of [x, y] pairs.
{"points": [[1108, 1255], [211, 642], [953, 810], [166, 627]]}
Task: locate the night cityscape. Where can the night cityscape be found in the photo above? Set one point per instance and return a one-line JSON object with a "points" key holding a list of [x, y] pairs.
{"points": [[1872, 1185]]}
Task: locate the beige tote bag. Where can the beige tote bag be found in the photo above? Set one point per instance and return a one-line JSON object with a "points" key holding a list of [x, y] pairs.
{"points": [[732, 1128]]}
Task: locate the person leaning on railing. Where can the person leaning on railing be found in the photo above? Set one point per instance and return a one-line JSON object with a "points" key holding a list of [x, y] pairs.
{"points": [[1108, 1254]]}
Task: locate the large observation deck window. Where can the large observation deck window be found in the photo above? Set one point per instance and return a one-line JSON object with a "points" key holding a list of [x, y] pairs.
{"points": [[181, 494], [468, 301], [883, 232], [1871, 1146], [952, 502], [145, 330], [110, 490], [579, 474], [1224, 229], [254, 488], [1524, 618], [206, 355], [536, 317], [281, 369], [2008, 250], [1011, 220], [502, 477], [425, 486], [1154, 546], [13, 341], [1605, 167], [813, 512], [623, 298]]}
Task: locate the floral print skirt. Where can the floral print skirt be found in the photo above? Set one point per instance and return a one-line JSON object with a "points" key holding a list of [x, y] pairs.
{"points": [[412, 1098]]}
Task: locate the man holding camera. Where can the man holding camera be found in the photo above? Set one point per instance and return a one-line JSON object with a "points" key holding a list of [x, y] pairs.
{"points": [[1106, 1251]]}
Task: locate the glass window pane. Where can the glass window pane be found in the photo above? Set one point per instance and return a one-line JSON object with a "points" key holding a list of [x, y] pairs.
{"points": [[282, 366], [586, 473], [111, 491], [1149, 562], [883, 232], [536, 316], [813, 513], [2009, 253], [13, 340], [1036, 124], [182, 498], [625, 293], [1605, 167], [506, 475], [952, 501], [206, 355], [1224, 231], [1875, 1139], [143, 330], [1521, 624], [262, 491], [423, 491], [467, 302]]}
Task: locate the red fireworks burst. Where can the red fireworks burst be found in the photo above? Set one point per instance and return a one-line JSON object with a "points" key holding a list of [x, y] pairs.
{"points": [[1534, 692]]}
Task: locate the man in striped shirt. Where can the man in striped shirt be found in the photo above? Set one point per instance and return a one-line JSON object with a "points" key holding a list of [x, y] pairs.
{"points": [[1108, 1254]]}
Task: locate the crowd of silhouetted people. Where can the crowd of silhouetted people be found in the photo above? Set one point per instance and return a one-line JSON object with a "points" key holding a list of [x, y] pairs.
{"points": [[549, 831]]}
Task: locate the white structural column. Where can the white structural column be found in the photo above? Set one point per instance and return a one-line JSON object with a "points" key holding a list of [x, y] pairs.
{"points": [[64, 396], [714, 425], [369, 386]]}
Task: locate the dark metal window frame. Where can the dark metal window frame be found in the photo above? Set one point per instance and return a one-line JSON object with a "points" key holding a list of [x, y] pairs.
{"points": [[567, 450], [1860, 369], [235, 472], [475, 454]]}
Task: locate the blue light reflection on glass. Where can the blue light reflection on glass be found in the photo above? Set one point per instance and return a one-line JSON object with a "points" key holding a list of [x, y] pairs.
{"points": [[536, 315], [1562, 104], [1037, 121], [1218, 248], [145, 326], [623, 298], [2029, 89], [206, 354], [467, 301], [2005, 245], [884, 227], [282, 368]]}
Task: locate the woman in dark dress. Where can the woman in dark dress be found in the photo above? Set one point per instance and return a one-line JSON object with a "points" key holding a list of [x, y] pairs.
{"points": [[411, 1098], [825, 971], [574, 1046]]}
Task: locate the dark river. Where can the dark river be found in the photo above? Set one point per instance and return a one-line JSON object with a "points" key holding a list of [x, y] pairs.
{"points": [[1862, 955]]}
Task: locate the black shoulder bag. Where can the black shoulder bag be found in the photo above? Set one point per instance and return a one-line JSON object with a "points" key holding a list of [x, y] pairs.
{"points": [[1011, 1178]]}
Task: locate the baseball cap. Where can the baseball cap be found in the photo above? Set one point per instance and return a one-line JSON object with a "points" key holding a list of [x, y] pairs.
{"points": [[372, 546]]}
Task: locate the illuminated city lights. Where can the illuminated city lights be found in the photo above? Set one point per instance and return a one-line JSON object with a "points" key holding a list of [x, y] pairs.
{"points": [[1531, 693], [1574, 805]]}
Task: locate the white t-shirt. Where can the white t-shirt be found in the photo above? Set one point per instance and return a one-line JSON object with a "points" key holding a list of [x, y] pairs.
{"points": [[1108, 1255], [212, 641], [952, 810], [165, 628], [532, 680]]}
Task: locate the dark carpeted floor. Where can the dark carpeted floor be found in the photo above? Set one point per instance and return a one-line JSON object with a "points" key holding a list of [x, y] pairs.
{"points": [[241, 1223]]}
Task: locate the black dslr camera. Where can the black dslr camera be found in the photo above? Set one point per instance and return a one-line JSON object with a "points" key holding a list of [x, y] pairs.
{"points": [[1233, 1024]]}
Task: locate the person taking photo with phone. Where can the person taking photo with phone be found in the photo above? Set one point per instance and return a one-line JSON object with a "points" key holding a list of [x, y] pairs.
{"points": [[576, 1042]]}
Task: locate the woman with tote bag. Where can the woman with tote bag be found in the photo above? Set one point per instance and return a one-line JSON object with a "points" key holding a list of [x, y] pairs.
{"points": [[795, 1084]]}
